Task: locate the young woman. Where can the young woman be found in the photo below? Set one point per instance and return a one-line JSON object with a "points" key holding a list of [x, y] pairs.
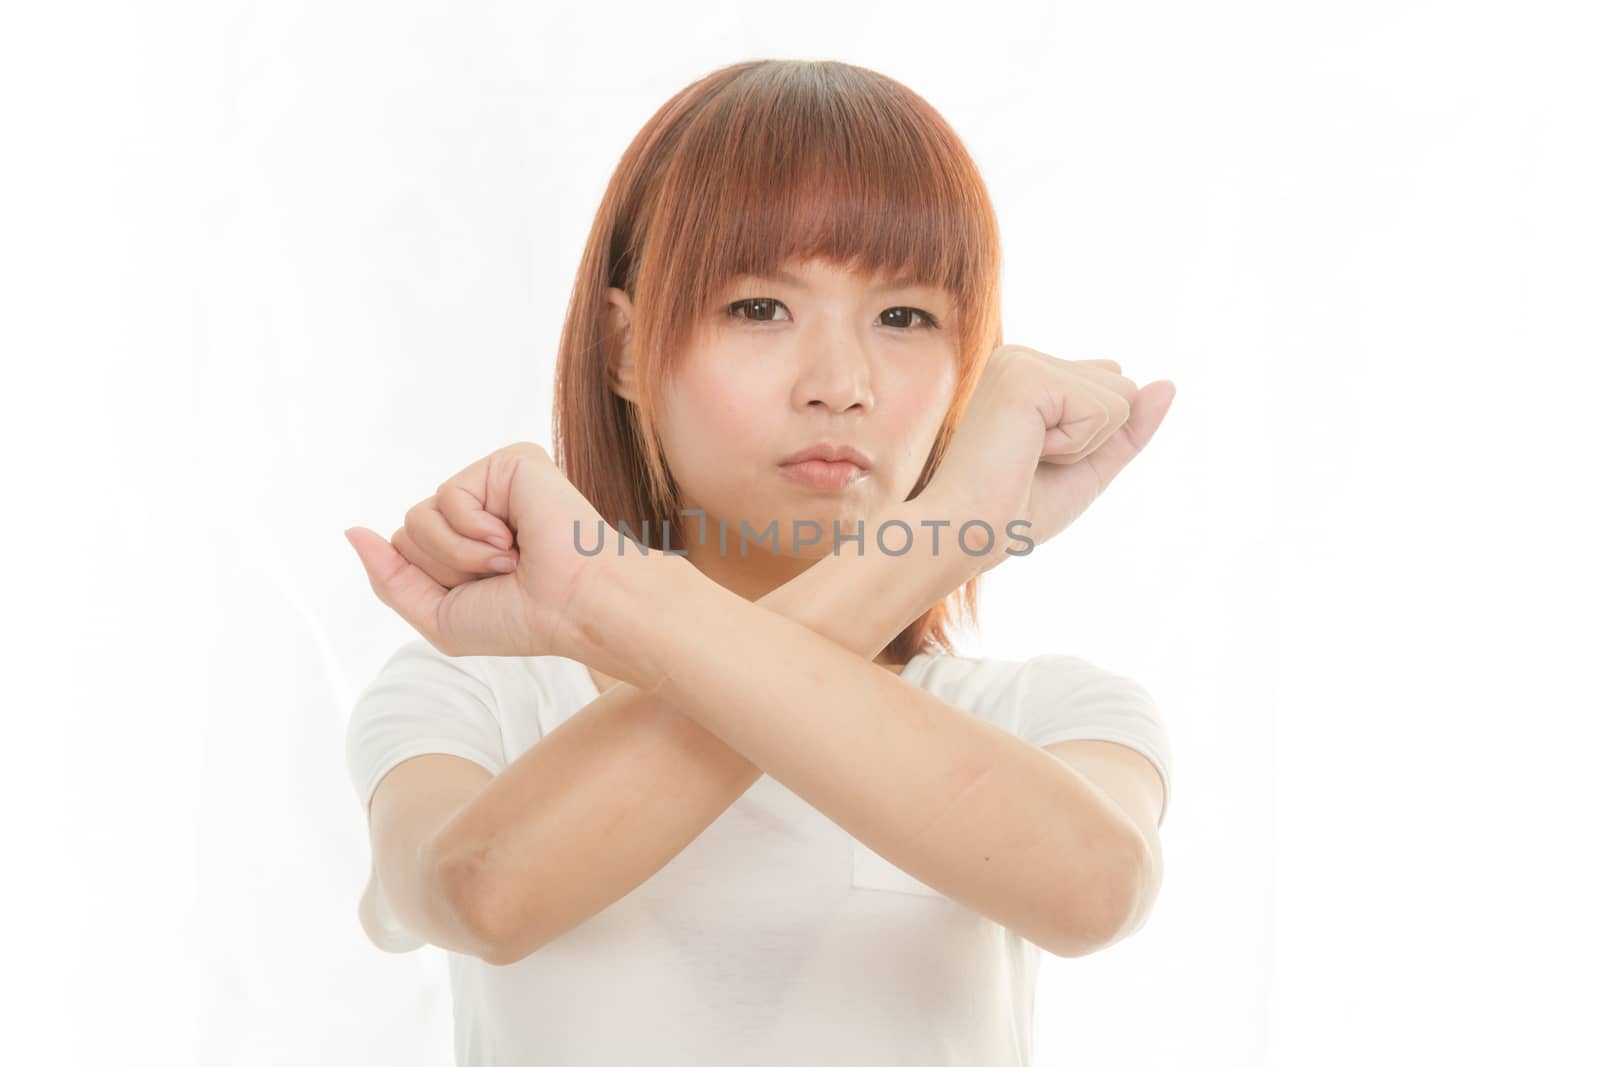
{"points": [[730, 795]]}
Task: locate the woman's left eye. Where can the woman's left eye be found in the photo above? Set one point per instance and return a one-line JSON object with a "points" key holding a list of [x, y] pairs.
{"points": [[931, 321]]}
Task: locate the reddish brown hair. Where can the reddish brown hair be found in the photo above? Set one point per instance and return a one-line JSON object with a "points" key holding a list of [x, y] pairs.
{"points": [[752, 166]]}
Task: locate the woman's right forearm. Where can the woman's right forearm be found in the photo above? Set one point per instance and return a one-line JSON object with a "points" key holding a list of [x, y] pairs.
{"points": [[607, 799]]}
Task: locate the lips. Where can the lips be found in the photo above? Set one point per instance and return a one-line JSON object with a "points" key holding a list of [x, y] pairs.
{"points": [[823, 474], [830, 453]]}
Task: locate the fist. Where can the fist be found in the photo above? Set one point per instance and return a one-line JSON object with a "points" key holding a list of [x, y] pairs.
{"points": [[438, 573], [1040, 439]]}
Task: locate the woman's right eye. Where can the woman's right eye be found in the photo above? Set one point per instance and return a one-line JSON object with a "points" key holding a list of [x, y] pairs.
{"points": [[759, 308]]}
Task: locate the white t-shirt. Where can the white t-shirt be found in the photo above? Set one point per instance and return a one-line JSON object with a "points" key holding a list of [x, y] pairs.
{"points": [[774, 937]]}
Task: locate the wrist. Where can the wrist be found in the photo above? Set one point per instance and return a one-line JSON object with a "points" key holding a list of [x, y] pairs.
{"points": [[616, 611], [984, 543], [951, 556], [909, 562]]}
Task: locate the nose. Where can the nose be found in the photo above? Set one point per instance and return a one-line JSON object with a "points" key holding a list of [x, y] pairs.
{"points": [[837, 374]]}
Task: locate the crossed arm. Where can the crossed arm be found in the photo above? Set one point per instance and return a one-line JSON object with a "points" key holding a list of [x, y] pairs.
{"points": [[786, 686]]}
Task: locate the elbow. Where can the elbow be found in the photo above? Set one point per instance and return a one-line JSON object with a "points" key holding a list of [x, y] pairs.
{"points": [[1114, 906], [479, 920]]}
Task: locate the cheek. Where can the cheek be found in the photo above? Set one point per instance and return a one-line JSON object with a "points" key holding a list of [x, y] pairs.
{"points": [[911, 409], [730, 412], [714, 417], [916, 401]]}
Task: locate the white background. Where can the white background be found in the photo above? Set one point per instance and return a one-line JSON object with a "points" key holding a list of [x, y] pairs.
{"points": [[273, 270]]}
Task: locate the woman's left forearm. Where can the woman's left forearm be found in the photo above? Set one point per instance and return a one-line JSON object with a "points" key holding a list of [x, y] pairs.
{"points": [[987, 819]]}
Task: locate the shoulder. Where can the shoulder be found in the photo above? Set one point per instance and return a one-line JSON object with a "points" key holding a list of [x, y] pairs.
{"points": [[526, 695], [1049, 697], [1044, 676], [418, 660], [1061, 694], [1059, 674]]}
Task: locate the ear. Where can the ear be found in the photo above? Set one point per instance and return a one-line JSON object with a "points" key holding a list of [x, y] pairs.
{"points": [[620, 368]]}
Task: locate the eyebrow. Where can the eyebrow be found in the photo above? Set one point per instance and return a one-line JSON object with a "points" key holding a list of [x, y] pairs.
{"points": [[893, 283]]}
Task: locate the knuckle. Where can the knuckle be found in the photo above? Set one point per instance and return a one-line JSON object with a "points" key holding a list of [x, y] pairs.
{"points": [[1013, 351]]}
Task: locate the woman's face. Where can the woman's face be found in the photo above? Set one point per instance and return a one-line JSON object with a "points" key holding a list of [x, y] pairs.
{"points": [[812, 355]]}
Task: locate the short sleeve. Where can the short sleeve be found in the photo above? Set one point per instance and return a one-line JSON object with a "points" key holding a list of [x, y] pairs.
{"points": [[1065, 698], [421, 701]]}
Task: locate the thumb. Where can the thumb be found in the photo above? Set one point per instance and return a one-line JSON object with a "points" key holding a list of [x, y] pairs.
{"points": [[1150, 408], [399, 583], [1157, 400], [376, 555]]}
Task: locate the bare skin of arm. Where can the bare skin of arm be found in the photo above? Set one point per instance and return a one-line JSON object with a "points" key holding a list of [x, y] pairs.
{"points": [[631, 771], [984, 817], [994, 823]]}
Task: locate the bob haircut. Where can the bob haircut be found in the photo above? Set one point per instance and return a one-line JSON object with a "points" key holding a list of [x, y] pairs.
{"points": [[752, 166]]}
